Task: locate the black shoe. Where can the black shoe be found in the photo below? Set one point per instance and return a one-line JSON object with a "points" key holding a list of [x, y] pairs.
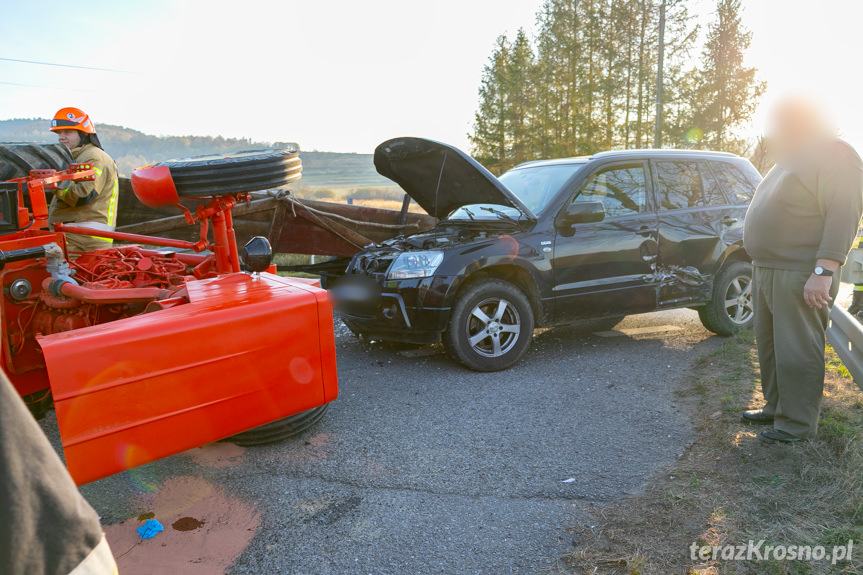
{"points": [[774, 435], [757, 416]]}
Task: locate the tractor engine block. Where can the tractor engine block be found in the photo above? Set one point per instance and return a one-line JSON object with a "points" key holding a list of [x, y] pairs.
{"points": [[59, 314], [129, 267], [126, 267]]}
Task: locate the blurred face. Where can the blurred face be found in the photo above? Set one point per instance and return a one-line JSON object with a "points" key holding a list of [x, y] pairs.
{"points": [[69, 138], [795, 124]]}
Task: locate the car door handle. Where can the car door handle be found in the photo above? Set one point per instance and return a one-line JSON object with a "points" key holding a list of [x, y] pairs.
{"points": [[729, 221], [645, 231]]}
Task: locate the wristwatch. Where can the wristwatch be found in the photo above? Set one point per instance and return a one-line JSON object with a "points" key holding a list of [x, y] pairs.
{"points": [[819, 271]]}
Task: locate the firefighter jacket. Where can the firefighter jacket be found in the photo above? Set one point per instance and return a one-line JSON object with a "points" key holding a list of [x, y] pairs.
{"points": [[91, 202]]}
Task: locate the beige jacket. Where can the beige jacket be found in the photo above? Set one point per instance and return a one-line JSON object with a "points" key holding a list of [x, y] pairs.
{"points": [[94, 202]]}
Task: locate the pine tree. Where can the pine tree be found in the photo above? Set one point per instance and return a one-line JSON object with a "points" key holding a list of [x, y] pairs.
{"points": [[588, 83], [520, 98], [680, 37], [489, 130], [727, 91]]}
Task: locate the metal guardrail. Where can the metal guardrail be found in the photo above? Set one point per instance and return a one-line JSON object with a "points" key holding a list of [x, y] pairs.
{"points": [[845, 334]]}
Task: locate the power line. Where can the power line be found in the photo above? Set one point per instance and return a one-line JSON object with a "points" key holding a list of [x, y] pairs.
{"points": [[68, 66], [47, 87]]}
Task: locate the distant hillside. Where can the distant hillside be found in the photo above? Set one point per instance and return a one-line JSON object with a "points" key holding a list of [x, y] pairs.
{"points": [[132, 149]]}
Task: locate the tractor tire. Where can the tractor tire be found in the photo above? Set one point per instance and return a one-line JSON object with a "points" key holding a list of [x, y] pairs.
{"points": [[281, 429], [39, 403], [18, 160], [491, 326], [731, 307], [234, 173]]}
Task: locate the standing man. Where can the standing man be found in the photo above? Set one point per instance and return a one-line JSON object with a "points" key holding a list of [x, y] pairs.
{"points": [[85, 204], [48, 528], [798, 231]]}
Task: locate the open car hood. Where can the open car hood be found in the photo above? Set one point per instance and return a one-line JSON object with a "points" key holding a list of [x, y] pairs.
{"points": [[441, 178]]}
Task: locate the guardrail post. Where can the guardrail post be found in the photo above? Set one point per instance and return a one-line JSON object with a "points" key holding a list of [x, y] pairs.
{"points": [[845, 334]]}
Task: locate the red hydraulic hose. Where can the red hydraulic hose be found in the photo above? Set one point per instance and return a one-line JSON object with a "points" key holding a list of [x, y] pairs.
{"points": [[107, 296], [126, 237]]}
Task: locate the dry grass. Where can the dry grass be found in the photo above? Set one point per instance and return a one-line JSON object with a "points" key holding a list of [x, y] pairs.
{"points": [[729, 488]]}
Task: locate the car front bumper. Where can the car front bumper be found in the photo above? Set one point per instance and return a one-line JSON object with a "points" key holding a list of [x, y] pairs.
{"points": [[412, 311]]}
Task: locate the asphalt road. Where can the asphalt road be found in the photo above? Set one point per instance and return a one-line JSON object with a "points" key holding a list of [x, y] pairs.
{"points": [[421, 466]]}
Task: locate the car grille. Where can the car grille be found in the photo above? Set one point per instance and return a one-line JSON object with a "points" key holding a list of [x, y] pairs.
{"points": [[372, 265]]}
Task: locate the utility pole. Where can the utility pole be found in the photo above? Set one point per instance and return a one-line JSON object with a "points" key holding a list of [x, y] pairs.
{"points": [[660, 61]]}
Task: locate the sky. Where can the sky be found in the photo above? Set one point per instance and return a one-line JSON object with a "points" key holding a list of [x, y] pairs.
{"points": [[345, 75]]}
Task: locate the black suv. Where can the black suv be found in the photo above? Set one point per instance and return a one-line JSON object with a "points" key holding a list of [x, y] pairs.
{"points": [[551, 242]]}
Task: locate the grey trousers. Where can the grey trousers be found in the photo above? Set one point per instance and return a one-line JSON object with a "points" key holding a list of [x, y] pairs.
{"points": [[791, 342]]}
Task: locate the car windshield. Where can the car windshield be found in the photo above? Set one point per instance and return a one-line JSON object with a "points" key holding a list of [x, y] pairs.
{"points": [[536, 185], [486, 212]]}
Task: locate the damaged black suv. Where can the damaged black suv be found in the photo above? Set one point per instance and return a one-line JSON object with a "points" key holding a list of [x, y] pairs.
{"points": [[551, 242]]}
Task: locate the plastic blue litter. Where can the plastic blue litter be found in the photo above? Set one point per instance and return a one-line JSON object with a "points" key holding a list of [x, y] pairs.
{"points": [[149, 529]]}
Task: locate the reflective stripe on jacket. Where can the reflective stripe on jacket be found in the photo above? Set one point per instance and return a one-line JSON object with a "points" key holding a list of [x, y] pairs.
{"points": [[94, 201]]}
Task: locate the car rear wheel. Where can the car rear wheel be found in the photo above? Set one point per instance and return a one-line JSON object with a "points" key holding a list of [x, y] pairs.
{"points": [[491, 326], [731, 309], [281, 429]]}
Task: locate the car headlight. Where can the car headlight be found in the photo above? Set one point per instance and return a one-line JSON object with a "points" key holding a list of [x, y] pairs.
{"points": [[411, 265]]}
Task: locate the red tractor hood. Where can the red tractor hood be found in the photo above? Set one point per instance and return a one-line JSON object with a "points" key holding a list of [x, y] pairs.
{"points": [[243, 352]]}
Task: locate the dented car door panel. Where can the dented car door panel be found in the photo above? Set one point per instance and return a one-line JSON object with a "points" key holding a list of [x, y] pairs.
{"points": [[604, 268], [696, 226]]}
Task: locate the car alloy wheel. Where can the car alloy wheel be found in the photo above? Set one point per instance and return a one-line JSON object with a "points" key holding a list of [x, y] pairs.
{"points": [[738, 300], [493, 327]]}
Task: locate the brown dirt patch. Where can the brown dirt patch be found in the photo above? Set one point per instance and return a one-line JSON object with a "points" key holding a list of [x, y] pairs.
{"points": [[225, 526]]}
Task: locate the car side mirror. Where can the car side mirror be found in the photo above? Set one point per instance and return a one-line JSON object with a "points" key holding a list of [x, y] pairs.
{"points": [[580, 213]]}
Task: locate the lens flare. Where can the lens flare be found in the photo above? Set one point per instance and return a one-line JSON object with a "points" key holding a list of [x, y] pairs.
{"points": [[694, 136], [131, 456]]}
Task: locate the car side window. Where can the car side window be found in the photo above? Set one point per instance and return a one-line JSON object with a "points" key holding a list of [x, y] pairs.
{"points": [[679, 185], [621, 189], [738, 186], [713, 195]]}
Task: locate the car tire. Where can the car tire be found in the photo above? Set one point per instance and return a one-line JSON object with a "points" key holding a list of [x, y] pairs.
{"points": [[731, 307], [18, 160], [234, 173], [484, 308], [281, 429]]}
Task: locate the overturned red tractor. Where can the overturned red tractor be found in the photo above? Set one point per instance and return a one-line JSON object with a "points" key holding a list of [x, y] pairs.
{"points": [[150, 351]]}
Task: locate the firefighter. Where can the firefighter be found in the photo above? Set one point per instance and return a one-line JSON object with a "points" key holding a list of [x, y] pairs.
{"points": [[856, 308], [85, 204]]}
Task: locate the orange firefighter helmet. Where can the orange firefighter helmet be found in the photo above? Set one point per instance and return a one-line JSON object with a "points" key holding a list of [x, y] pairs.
{"points": [[72, 119]]}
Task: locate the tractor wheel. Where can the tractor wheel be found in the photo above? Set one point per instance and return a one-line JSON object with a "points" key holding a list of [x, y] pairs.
{"points": [[234, 173], [17, 160], [281, 429], [39, 403]]}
